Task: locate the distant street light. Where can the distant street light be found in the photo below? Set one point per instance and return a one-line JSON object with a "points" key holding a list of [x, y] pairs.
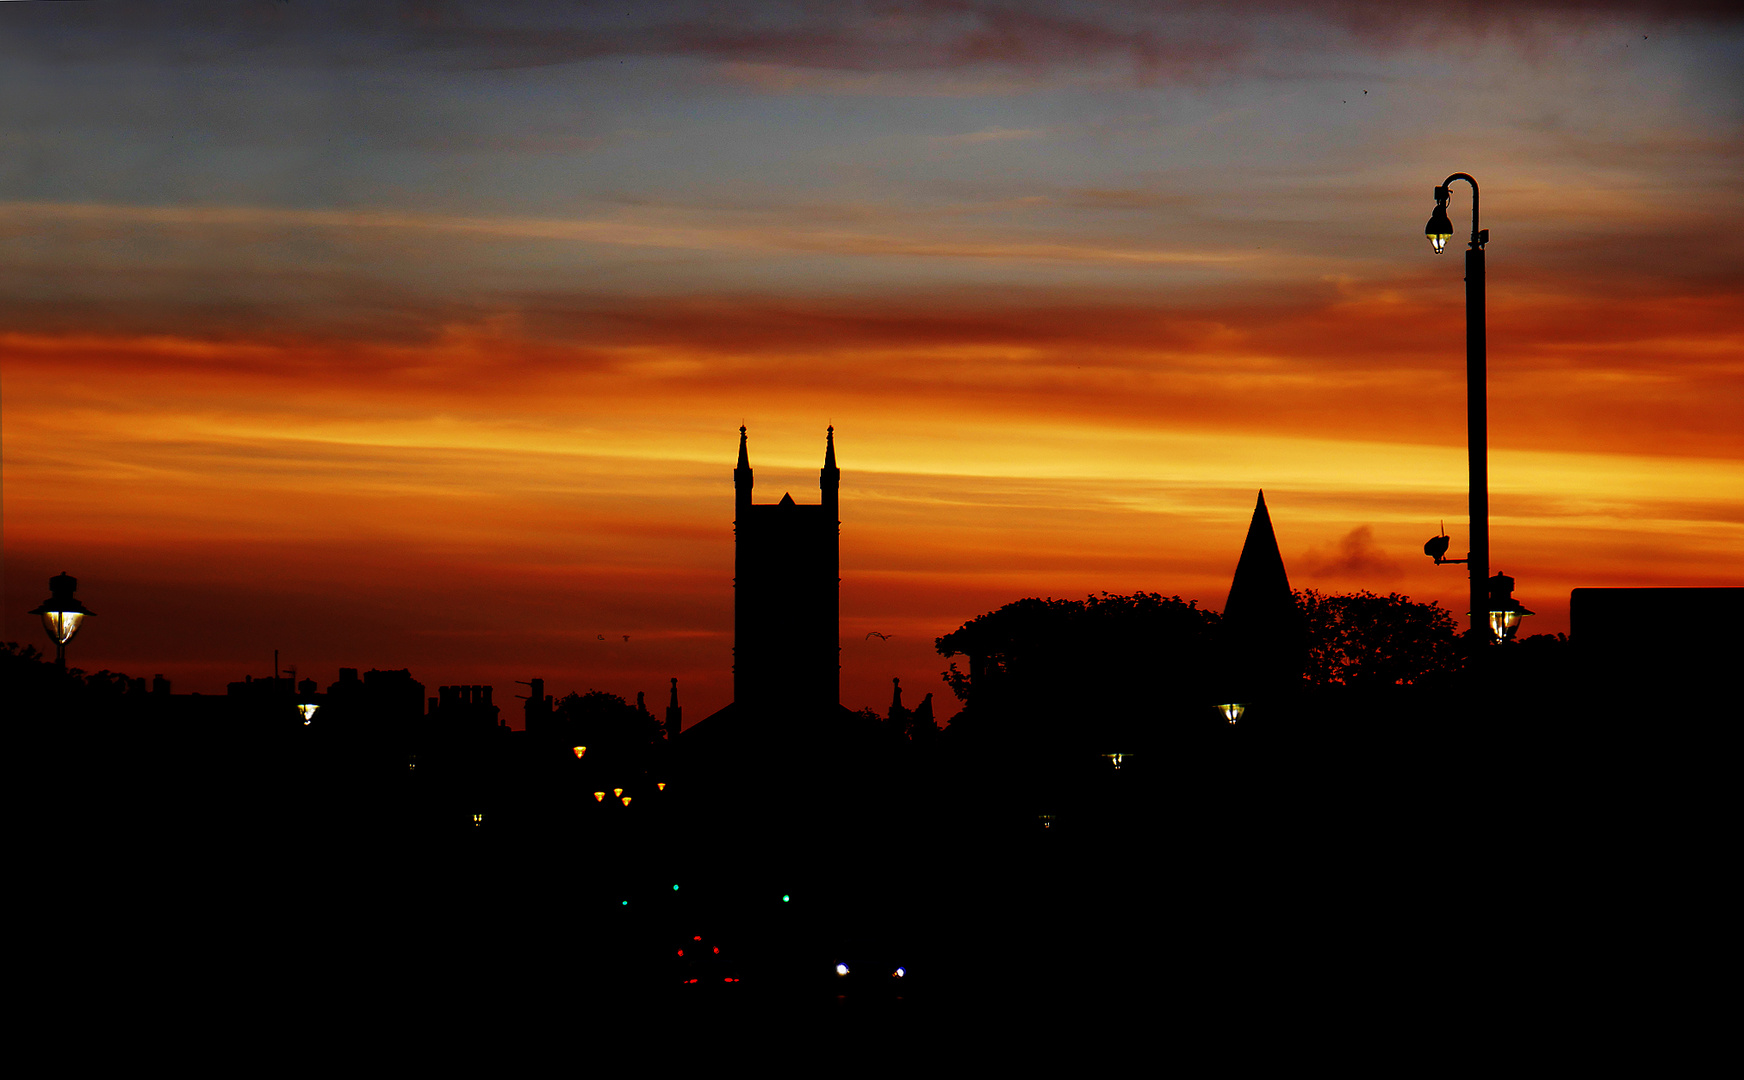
{"points": [[61, 614], [1439, 231], [307, 711], [1232, 710]]}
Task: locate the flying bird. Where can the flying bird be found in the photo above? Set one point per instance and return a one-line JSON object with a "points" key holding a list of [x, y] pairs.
{"points": [[880, 637]]}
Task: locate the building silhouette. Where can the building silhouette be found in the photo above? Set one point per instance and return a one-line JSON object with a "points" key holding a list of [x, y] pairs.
{"points": [[1265, 638], [674, 714], [787, 596]]}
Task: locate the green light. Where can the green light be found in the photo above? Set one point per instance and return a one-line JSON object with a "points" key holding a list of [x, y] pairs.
{"points": [[625, 903], [675, 888], [785, 898]]}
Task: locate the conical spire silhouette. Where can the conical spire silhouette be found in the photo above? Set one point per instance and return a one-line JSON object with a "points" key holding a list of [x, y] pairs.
{"points": [[1261, 586], [1264, 636]]}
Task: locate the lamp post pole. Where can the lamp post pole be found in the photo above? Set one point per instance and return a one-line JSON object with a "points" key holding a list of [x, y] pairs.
{"points": [[1439, 230]]}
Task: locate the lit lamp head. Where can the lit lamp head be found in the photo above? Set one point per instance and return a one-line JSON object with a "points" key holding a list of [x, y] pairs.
{"points": [[1232, 710], [1440, 227], [1505, 611], [307, 710], [61, 612]]}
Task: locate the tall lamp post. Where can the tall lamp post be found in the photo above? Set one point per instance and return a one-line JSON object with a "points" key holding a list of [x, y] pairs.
{"points": [[61, 614], [1439, 231]]}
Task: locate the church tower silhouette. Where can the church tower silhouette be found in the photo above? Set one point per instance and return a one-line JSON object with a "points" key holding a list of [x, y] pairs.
{"points": [[787, 596]]}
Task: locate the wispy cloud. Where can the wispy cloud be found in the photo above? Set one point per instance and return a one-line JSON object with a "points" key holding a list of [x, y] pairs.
{"points": [[623, 232], [990, 135]]}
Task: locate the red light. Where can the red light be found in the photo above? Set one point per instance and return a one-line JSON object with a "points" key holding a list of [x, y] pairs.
{"points": [[717, 950], [681, 952], [697, 938]]}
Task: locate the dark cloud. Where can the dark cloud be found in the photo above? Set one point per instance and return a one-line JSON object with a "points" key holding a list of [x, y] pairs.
{"points": [[1354, 556], [872, 35]]}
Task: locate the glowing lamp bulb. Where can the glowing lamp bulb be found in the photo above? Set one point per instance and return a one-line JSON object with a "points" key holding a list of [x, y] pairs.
{"points": [[626, 800], [618, 791], [1504, 623], [599, 796], [841, 969], [1232, 711], [579, 750], [308, 712], [661, 785], [899, 973], [62, 625]]}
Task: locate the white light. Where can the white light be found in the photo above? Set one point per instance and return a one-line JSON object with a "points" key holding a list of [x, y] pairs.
{"points": [[1232, 711], [62, 625], [900, 972], [1439, 243], [1504, 623], [841, 969], [308, 712]]}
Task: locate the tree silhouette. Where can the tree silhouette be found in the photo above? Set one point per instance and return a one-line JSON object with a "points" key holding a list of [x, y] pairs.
{"points": [[1088, 667], [1365, 640], [605, 721]]}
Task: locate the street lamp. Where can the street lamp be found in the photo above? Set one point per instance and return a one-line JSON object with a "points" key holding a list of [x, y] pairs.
{"points": [[1232, 710], [1505, 611], [61, 614], [1439, 231]]}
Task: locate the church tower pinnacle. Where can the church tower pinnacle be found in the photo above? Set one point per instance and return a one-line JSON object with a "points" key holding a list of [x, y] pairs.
{"points": [[830, 477], [742, 473]]}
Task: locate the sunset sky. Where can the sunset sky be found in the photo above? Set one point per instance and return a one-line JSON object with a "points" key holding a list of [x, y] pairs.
{"points": [[419, 334]]}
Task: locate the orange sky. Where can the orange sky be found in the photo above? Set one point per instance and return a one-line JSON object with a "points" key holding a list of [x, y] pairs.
{"points": [[440, 365]]}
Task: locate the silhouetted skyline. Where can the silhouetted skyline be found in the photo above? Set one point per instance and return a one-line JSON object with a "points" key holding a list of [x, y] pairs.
{"points": [[417, 339]]}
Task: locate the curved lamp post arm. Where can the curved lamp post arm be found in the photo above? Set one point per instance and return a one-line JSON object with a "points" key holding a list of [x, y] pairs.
{"points": [[1479, 237]]}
